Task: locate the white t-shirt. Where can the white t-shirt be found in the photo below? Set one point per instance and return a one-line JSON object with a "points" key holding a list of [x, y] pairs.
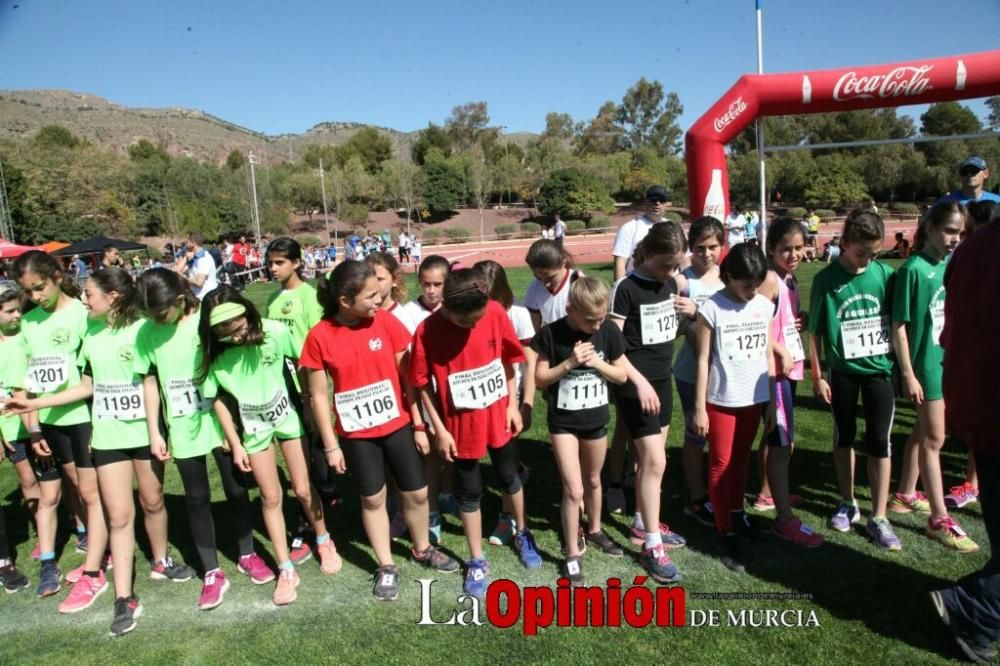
{"points": [[203, 265], [550, 305], [524, 330], [412, 314], [559, 229], [628, 238], [735, 224], [737, 366]]}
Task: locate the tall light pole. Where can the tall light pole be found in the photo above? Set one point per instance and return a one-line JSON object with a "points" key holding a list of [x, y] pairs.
{"points": [[253, 200], [762, 230], [6, 225], [322, 186]]}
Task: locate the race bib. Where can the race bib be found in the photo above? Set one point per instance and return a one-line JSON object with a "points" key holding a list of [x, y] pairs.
{"points": [[744, 340], [184, 397], [268, 416], [865, 337], [366, 407], [475, 389], [937, 321], [46, 374], [582, 390], [793, 343], [658, 322], [118, 401]]}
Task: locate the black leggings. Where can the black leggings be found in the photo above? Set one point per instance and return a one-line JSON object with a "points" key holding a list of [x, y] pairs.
{"points": [[367, 459], [4, 543], [878, 399], [198, 496], [469, 482]]}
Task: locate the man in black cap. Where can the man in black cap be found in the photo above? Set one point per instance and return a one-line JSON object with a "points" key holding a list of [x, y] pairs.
{"points": [[632, 232], [974, 173]]}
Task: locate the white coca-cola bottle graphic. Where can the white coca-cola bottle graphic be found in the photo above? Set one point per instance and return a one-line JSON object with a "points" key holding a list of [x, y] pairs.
{"points": [[715, 200]]}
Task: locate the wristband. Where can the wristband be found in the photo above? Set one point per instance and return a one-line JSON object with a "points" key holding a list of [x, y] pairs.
{"points": [[419, 427], [35, 429], [336, 448]]}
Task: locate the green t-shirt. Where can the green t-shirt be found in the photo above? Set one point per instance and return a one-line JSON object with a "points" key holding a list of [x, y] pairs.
{"points": [[851, 313], [298, 309], [918, 301], [174, 352], [51, 341], [255, 376], [118, 407], [13, 366]]}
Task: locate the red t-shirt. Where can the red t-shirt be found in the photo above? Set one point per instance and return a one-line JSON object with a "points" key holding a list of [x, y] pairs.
{"points": [[469, 357], [240, 254], [361, 358]]}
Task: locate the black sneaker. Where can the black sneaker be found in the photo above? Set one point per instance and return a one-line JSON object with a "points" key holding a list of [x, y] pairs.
{"points": [[978, 651], [167, 569], [581, 542], [745, 525], [731, 554], [386, 585], [126, 612], [432, 558], [12, 579], [604, 543], [701, 510], [573, 570]]}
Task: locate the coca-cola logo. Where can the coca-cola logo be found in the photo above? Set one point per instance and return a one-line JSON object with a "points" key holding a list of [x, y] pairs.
{"points": [[737, 107], [901, 81]]}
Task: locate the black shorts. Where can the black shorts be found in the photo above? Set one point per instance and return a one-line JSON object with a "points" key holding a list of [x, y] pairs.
{"points": [[20, 449], [368, 458], [630, 410], [104, 457], [591, 433], [69, 444]]}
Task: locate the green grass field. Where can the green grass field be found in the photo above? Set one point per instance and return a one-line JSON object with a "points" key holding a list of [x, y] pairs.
{"points": [[871, 605]]}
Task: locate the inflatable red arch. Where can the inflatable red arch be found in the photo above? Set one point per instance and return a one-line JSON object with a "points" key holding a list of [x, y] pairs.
{"points": [[754, 95]]}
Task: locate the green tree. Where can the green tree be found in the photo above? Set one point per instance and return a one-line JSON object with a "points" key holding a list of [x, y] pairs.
{"points": [[401, 183], [235, 160], [602, 135], [145, 150], [834, 183], [304, 192], [315, 152], [443, 184], [946, 118], [369, 146], [52, 136], [468, 125], [434, 137], [559, 126], [649, 118], [574, 192], [993, 104]]}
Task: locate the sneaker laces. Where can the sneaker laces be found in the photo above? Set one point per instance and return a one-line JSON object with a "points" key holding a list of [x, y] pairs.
{"points": [[210, 578], [948, 523]]}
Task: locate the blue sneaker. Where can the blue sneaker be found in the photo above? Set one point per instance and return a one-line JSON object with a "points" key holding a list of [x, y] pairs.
{"points": [[81, 542], [476, 578], [524, 542], [49, 579], [448, 504], [845, 516], [880, 533], [657, 563], [435, 525]]}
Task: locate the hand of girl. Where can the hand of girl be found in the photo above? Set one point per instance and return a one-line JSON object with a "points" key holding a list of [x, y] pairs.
{"points": [[423, 444], [582, 351], [514, 423], [42, 450], [685, 306], [648, 400], [446, 446], [335, 459], [914, 391], [822, 390], [158, 448], [241, 460], [19, 406], [699, 422], [785, 358], [526, 410], [801, 321]]}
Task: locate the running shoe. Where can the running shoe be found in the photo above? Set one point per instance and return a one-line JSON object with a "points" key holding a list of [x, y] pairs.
{"points": [[167, 569], [126, 612], [36, 552], [84, 593], [798, 533], [845, 516], [604, 543], [300, 550], [730, 554], [657, 563], [670, 539], [49, 579], [476, 578], [330, 561], [978, 650], [503, 533], [880, 533], [284, 589], [432, 558], [448, 503], [397, 526], [615, 500], [435, 528], [950, 533], [766, 502], [524, 542], [253, 566], [74, 575], [573, 570], [701, 510], [745, 525], [386, 585], [900, 503], [961, 495], [12, 579], [213, 589], [81, 542]]}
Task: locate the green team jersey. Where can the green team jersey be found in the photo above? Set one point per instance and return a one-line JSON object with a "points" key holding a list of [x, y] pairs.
{"points": [[851, 313], [118, 408], [174, 351], [51, 341], [255, 376], [918, 302], [298, 309], [13, 367]]}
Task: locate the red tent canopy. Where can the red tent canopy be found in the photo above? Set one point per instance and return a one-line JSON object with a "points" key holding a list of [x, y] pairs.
{"points": [[10, 250]]}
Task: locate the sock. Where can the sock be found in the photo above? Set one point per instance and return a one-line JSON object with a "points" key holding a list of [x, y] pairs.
{"points": [[637, 522], [243, 556], [4, 562], [322, 538], [92, 574], [81, 530], [287, 565], [653, 539], [47, 557]]}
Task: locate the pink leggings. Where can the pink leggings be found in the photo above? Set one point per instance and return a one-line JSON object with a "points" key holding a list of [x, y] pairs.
{"points": [[731, 433]]}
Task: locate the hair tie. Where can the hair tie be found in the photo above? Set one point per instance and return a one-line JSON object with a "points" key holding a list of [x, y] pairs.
{"points": [[476, 285], [224, 312]]}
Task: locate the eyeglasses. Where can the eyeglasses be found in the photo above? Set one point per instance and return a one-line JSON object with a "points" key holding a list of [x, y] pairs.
{"points": [[236, 335], [969, 171]]}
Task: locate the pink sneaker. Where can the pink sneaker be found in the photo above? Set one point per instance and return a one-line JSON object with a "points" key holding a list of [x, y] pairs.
{"points": [[213, 590], [253, 566], [961, 495], [84, 593], [329, 559], [76, 574], [798, 533], [300, 550], [284, 591]]}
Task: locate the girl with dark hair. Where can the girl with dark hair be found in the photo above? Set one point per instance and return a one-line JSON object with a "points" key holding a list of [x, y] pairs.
{"points": [[547, 294], [168, 354], [734, 389], [252, 360]]}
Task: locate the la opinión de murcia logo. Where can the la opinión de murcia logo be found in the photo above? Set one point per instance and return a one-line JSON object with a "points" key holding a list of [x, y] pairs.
{"points": [[899, 82], [736, 107]]}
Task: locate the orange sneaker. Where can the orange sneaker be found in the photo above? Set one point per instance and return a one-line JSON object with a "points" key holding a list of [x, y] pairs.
{"points": [[329, 559], [284, 590]]}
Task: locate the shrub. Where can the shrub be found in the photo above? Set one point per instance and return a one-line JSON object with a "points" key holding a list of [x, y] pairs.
{"points": [[573, 192], [354, 213], [905, 208], [530, 228], [504, 229], [797, 212], [457, 235], [600, 222], [308, 239], [574, 227], [433, 234], [825, 213]]}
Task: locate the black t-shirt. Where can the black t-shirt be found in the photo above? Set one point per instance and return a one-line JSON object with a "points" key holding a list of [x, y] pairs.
{"points": [[578, 401], [637, 299]]}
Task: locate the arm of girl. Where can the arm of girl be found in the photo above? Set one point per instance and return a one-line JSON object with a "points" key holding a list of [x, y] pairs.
{"points": [[320, 390], [528, 384], [546, 375], [901, 344], [240, 458], [151, 395], [309, 420], [821, 389], [780, 351], [615, 372], [703, 348], [77, 393], [413, 400], [648, 399], [771, 410], [445, 442], [514, 423]]}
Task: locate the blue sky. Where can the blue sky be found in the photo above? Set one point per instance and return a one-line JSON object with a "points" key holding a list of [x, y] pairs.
{"points": [[285, 65]]}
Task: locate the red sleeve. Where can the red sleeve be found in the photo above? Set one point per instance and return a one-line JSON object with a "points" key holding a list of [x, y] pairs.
{"points": [[398, 334], [420, 372], [511, 350], [312, 351]]}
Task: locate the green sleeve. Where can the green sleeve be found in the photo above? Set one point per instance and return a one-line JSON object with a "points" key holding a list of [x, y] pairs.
{"points": [[817, 319], [313, 310], [904, 285], [142, 360], [15, 368]]}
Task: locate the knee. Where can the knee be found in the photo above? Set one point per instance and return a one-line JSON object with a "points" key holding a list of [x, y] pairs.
{"points": [[655, 465], [376, 502], [416, 498], [573, 492], [303, 491], [270, 501], [198, 500], [469, 498], [90, 496], [120, 519], [151, 504]]}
